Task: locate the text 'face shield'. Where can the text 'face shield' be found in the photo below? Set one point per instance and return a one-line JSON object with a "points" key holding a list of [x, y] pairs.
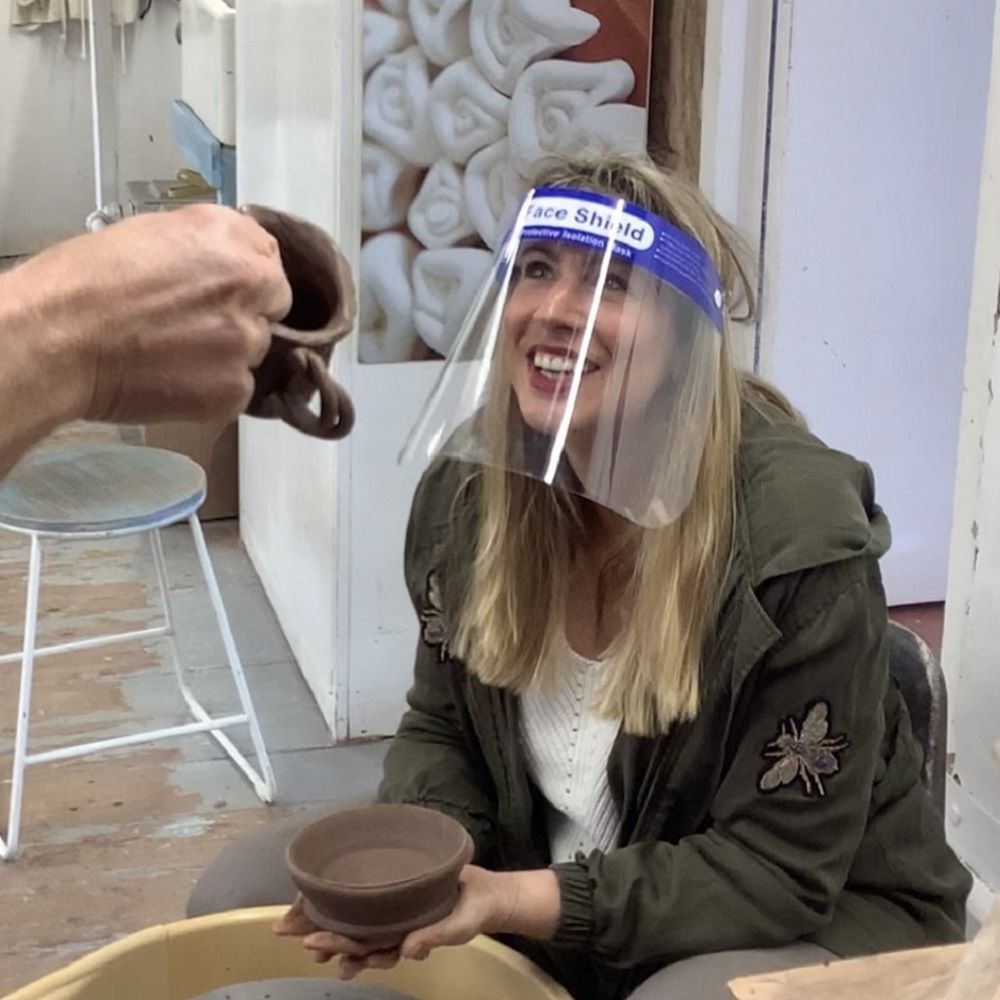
{"points": [[589, 359]]}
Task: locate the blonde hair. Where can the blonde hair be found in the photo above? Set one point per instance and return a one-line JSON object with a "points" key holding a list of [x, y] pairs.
{"points": [[511, 629]]}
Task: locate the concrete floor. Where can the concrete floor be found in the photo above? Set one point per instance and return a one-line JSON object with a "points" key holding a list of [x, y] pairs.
{"points": [[113, 843]]}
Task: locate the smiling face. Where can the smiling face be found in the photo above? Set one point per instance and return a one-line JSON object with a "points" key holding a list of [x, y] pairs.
{"points": [[545, 322]]}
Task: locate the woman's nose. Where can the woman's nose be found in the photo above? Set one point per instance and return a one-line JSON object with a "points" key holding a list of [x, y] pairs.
{"points": [[566, 303]]}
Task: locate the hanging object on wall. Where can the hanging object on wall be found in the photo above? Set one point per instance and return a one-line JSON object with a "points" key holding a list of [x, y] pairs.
{"points": [[26, 13], [32, 15], [457, 122]]}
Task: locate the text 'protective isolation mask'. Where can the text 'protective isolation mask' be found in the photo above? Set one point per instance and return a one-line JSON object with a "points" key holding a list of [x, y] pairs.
{"points": [[589, 358]]}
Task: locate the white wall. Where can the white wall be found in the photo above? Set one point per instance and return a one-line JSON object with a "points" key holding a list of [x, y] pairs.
{"points": [[46, 179], [972, 621], [873, 177], [324, 523], [383, 624], [298, 135], [735, 127]]}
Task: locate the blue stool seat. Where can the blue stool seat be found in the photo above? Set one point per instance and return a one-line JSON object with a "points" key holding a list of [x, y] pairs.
{"points": [[113, 489]]}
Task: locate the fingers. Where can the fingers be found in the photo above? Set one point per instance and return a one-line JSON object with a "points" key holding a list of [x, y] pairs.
{"points": [[237, 226], [293, 926], [387, 959], [274, 292], [472, 915], [258, 340], [457, 928], [355, 956], [351, 965], [294, 922], [257, 236], [224, 401], [247, 254], [415, 951], [336, 944], [187, 299], [224, 379], [418, 945]]}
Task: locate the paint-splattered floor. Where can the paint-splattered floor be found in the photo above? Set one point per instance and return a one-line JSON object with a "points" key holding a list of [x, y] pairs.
{"points": [[927, 620], [113, 843]]}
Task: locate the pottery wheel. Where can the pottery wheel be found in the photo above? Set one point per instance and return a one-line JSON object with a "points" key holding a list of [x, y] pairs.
{"points": [[304, 989]]}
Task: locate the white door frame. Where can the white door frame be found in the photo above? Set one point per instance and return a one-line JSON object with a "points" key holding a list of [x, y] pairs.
{"points": [[736, 123], [299, 137], [971, 629]]}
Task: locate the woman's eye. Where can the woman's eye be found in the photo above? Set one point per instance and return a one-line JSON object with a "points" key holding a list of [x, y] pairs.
{"points": [[616, 283], [537, 269]]}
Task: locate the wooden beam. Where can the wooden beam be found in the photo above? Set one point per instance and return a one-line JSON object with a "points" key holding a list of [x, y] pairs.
{"points": [[676, 83]]}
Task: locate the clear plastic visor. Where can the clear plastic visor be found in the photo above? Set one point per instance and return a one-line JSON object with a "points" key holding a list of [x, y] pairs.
{"points": [[580, 365]]}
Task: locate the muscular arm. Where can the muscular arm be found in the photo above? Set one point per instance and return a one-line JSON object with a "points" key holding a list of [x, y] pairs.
{"points": [[161, 317], [42, 377]]}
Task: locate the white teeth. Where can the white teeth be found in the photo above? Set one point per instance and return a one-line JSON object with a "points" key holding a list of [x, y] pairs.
{"points": [[559, 364]]}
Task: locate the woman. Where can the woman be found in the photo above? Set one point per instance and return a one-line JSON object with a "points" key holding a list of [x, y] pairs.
{"points": [[652, 681]]}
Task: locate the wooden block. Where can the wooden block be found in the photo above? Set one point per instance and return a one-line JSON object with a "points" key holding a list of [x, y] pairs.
{"points": [[921, 974], [215, 448]]}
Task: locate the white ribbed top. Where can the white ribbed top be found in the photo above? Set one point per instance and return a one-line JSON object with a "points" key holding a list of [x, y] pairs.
{"points": [[567, 747]]}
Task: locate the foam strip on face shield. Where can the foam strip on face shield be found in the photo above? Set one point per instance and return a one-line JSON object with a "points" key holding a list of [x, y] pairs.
{"points": [[589, 359]]}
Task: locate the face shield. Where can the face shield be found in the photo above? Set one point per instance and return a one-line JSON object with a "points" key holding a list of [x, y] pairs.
{"points": [[588, 360]]}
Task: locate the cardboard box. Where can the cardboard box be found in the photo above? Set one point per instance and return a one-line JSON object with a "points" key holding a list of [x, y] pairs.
{"points": [[215, 448]]}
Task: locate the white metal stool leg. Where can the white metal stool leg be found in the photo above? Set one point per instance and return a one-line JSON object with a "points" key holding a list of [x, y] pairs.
{"points": [[262, 781], [138, 490], [9, 846]]}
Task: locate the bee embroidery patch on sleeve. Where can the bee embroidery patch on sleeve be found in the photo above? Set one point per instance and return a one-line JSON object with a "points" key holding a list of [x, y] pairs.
{"points": [[433, 628], [803, 750]]}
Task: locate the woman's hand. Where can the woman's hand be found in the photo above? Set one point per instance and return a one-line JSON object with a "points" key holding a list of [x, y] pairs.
{"points": [[524, 903], [324, 945]]}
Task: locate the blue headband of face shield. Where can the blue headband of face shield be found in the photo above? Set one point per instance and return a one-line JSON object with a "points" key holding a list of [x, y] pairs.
{"points": [[563, 375], [589, 220]]}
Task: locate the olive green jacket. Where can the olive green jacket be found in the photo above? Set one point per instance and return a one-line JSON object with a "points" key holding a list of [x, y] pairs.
{"points": [[790, 808]]}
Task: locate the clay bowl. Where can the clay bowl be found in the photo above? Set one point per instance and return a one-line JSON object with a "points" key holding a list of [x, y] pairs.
{"points": [[377, 873]]}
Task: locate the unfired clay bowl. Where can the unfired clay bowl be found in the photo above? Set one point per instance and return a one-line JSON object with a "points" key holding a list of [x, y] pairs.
{"points": [[377, 873]]}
